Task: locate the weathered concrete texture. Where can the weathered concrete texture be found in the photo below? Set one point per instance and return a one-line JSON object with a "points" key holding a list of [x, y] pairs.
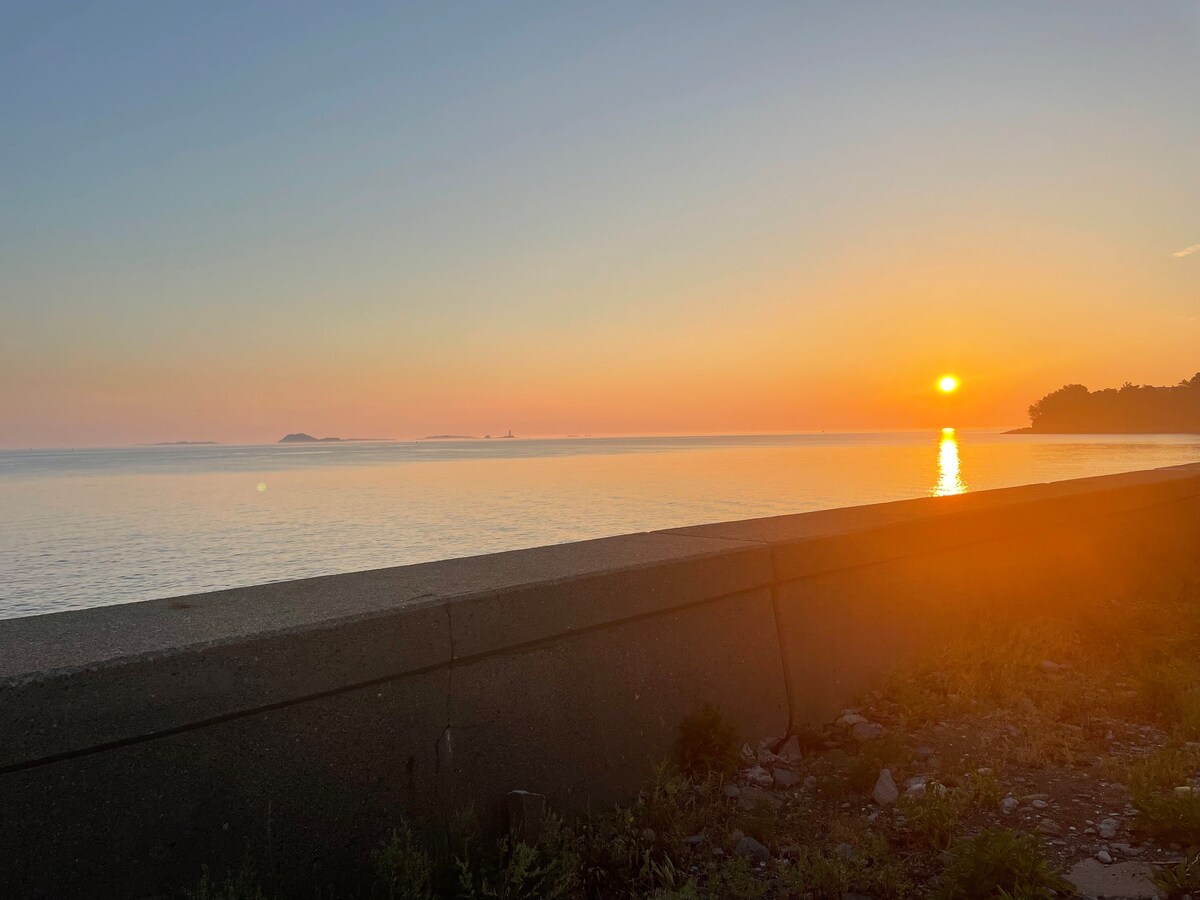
{"points": [[844, 631], [697, 569], [102, 685], [67, 711], [584, 720], [322, 782], [81, 639]]}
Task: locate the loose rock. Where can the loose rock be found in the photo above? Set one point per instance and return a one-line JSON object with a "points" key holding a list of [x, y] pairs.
{"points": [[784, 778], [1127, 849], [758, 775], [885, 792], [749, 848], [866, 731], [757, 797], [1049, 826]]}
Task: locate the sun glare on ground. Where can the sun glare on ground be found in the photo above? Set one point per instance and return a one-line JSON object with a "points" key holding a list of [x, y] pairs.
{"points": [[947, 384]]}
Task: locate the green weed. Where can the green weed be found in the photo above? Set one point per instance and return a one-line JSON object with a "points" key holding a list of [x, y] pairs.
{"points": [[707, 744], [403, 867], [1179, 881], [241, 885], [933, 819], [1000, 864]]}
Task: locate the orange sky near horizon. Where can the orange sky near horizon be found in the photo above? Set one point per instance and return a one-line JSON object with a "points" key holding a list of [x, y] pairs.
{"points": [[867, 358]]}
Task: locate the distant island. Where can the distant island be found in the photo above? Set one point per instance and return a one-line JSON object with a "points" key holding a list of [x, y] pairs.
{"points": [[301, 438], [1129, 409], [449, 437]]}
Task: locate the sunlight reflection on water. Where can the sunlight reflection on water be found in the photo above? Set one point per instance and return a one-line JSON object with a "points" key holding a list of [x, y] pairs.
{"points": [[949, 480]]}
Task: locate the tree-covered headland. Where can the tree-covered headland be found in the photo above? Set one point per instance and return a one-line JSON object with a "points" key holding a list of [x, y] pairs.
{"points": [[1129, 409]]}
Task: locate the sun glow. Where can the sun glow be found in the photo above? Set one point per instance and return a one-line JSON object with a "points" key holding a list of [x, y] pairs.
{"points": [[948, 384]]}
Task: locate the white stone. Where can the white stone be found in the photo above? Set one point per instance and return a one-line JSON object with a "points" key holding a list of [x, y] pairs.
{"points": [[784, 777], [758, 775], [885, 792], [749, 848], [866, 731]]}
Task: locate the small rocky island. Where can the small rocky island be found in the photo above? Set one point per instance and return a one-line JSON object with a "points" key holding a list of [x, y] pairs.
{"points": [[1130, 409], [300, 437]]}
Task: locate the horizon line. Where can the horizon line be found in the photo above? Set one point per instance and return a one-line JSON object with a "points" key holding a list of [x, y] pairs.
{"points": [[532, 437]]}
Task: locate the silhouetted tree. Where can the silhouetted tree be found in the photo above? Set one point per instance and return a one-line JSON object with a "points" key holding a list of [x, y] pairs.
{"points": [[1130, 409]]}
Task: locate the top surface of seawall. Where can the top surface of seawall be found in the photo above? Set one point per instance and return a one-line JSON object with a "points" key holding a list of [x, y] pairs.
{"points": [[77, 640]]}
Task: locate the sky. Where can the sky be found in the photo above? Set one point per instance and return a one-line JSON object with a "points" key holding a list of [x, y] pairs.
{"points": [[230, 221]]}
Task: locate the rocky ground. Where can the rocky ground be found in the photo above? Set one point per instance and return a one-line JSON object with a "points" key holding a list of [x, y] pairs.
{"points": [[1093, 752], [1076, 805]]}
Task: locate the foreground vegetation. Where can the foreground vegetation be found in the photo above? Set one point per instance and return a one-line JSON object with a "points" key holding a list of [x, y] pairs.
{"points": [[1016, 754]]}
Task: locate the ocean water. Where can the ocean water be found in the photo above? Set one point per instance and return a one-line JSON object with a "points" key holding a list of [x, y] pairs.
{"points": [[83, 528]]}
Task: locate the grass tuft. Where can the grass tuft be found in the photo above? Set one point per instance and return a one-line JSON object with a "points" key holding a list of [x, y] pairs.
{"points": [[1179, 881], [1000, 864], [707, 744], [403, 867]]}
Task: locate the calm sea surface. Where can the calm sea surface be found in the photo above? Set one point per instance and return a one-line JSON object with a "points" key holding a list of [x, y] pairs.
{"points": [[91, 527]]}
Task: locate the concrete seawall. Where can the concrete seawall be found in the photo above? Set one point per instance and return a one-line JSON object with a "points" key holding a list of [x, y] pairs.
{"points": [[138, 742]]}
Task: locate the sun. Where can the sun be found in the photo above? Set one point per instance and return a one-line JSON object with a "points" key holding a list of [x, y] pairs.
{"points": [[947, 384]]}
